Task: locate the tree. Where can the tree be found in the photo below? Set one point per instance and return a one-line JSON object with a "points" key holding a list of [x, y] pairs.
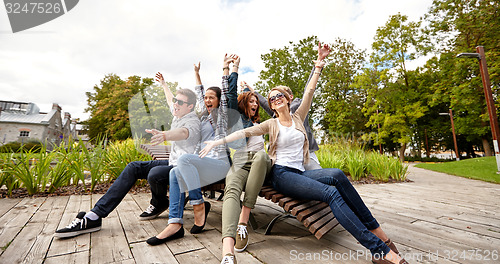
{"points": [[289, 66], [342, 100], [394, 102], [108, 105], [459, 26], [336, 106]]}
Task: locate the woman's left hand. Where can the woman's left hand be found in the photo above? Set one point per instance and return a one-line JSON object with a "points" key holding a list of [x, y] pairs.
{"points": [[323, 51], [210, 145]]}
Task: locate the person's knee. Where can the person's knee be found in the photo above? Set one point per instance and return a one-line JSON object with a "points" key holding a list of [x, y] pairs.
{"points": [[185, 159], [339, 175], [157, 174], [333, 195], [260, 158], [132, 165]]}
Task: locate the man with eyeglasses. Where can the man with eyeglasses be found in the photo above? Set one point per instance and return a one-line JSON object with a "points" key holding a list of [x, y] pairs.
{"points": [[184, 135]]}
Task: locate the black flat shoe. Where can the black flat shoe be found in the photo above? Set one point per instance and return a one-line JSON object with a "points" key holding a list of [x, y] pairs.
{"points": [[153, 241], [197, 229]]}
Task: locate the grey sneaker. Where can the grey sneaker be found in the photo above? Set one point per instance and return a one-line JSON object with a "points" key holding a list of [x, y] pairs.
{"points": [[228, 259], [241, 238], [81, 225], [152, 212]]}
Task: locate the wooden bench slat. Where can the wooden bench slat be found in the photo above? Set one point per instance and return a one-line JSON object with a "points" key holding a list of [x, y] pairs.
{"points": [[326, 228], [315, 217], [311, 211], [302, 207], [268, 195], [284, 201], [275, 198], [290, 205], [321, 222]]}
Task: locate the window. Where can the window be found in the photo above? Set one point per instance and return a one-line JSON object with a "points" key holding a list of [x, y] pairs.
{"points": [[24, 133]]}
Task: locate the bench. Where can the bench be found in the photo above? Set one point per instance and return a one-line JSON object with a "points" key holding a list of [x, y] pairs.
{"points": [[315, 215]]}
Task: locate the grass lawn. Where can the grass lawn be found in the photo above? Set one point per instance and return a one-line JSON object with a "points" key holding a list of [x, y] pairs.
{"points": [[484, 169]]}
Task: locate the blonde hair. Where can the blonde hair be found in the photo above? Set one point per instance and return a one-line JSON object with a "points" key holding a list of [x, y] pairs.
{"points": [[287, 89], [282, 89]]}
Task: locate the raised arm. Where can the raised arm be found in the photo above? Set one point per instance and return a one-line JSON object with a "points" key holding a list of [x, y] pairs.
{"points": [[168, 94], [197, 73], [323, 51], [200, 92], [232, 95]]}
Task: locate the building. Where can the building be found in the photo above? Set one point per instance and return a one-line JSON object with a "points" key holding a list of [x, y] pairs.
{"points": [[23, 122]]}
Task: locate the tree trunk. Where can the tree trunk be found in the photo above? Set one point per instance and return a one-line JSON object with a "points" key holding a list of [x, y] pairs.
{"points": [[427, 150], [402, 152], [486, 147]]}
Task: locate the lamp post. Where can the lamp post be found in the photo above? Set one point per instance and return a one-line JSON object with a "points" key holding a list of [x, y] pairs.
{"points": [[489, 98], [457, 155]]}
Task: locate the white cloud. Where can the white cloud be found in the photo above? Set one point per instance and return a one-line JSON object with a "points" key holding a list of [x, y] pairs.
{"points": [[61, 60]]}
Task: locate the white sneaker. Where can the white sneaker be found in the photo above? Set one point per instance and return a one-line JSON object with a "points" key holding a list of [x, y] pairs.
{"points": [[228, 259]]}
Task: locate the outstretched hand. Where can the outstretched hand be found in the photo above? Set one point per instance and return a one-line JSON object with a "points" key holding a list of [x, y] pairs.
{"points": [[158, 136], [197, 68], [159, 78], [231, 58], [245, 85], [236, 60], [210, 145], [323, 51]]}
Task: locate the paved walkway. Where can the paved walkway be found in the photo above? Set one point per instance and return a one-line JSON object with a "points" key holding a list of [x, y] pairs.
{"points": [[438, 218]]}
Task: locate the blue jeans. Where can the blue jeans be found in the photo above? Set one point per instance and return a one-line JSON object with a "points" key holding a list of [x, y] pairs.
{"points": [[155, 171], [333, 187], [194, 172]]}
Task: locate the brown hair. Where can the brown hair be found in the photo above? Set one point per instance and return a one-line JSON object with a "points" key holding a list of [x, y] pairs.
{"points": [[243, 100], [281, 89], [191, 96]]}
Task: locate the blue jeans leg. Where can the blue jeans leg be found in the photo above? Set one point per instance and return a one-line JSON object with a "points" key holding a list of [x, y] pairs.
{"points": [[295, 184], [177, 198], [338, 179], [120, 187]]}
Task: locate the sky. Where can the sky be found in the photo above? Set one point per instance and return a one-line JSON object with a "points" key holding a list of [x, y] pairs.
{"points": [[61, 60]]}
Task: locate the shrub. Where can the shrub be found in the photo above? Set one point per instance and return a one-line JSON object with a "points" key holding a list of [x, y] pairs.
{"points": [[121, 153], [33, 146], [350, 157]]}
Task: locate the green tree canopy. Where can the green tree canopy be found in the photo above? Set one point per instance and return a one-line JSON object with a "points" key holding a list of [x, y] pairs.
{"points": [[108, 105], [395, 102]]}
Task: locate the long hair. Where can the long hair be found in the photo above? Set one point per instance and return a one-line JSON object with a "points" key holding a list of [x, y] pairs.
{"points": [[243, 100], [281, 89], [218, 93]]}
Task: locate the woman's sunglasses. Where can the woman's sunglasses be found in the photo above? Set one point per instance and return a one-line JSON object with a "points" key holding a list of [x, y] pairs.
{"points": [[275, 97], [179, 102]]}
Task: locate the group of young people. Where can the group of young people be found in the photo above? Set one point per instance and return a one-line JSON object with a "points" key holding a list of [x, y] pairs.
{"points": [[200, 155]]}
